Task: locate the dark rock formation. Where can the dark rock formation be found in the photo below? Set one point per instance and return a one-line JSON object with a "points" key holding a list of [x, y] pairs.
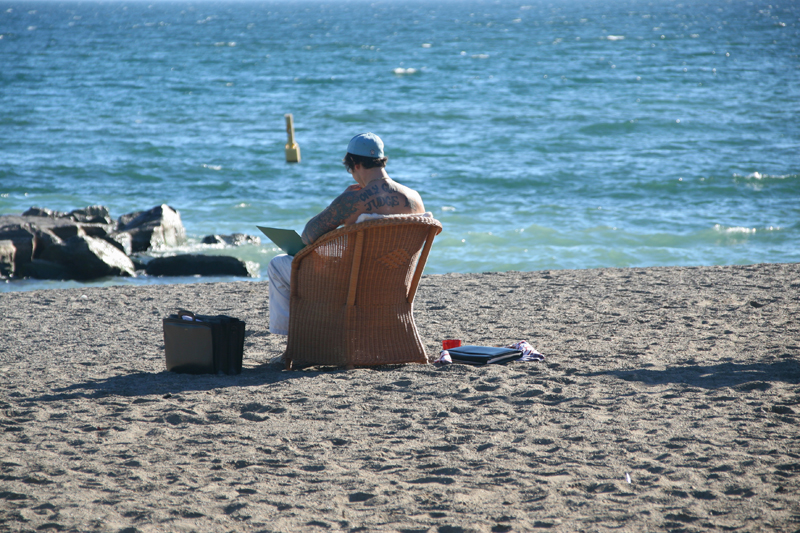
{"points": [[85, 257], [41, 269], [93, 220], [63, 228], [236, 239], [22, 237], [40, 251], [44, 239], [121, 240], [94, 214], [44, 212], [138, 265], [201, 265], [87, 243], [157, 228], [7, 252]]}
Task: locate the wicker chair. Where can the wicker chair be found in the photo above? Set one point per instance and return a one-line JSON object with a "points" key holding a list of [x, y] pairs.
{"points": [[352, 294]]}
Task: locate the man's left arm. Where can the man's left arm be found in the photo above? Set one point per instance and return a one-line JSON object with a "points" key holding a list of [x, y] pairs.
{"points": [[333, 216]]}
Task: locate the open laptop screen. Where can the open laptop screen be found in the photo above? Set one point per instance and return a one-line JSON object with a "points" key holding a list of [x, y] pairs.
{"points": [[287, 239]]}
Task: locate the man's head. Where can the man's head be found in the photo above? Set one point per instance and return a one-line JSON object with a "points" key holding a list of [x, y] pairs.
{"points": [[365, 149]]}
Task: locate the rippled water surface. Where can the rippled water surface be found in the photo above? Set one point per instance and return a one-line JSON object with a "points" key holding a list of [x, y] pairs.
{"points": [[544, 135]]}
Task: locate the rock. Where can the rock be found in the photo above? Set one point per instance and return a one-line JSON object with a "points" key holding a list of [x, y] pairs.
{"points": [[44, 239], [95, 220], [44, 212], [213, 239], [22, 236], [127, 218], [97, 229], [159, 227], [236, 239], [94, 214], [138, 265], [120, 240], [201, 265], [7, 252], [89, 258], [41, 269], [64, 229]]}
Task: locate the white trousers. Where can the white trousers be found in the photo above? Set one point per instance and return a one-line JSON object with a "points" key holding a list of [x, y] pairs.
{"points": [[280, 273]]}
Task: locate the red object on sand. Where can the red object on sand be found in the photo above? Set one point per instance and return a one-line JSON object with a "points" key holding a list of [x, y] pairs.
{"points": [[450, 343]]}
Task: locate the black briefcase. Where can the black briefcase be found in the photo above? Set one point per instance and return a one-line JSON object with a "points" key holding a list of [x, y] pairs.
{"points": [[201, 344]]}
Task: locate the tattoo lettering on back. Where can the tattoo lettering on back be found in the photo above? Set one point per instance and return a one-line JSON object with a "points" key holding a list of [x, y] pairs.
{"points": [[380, 201], [355, 200], [365, 194]]}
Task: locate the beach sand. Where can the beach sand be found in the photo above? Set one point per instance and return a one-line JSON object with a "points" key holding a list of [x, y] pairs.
{"points": [[669, 401]]}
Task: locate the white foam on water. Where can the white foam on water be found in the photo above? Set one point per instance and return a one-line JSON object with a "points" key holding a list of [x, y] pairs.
{"points": [[615, 37], [737, 229], [759, 176]]}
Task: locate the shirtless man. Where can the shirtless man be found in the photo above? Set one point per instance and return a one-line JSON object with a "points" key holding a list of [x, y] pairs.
{"points": [[373, 193]]}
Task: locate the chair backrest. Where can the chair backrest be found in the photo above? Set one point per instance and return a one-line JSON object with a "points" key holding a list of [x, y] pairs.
{"points": [[352, 293], [377, 262]]}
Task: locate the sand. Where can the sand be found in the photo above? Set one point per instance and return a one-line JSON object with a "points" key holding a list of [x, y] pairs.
{"points": [[669, 401]]}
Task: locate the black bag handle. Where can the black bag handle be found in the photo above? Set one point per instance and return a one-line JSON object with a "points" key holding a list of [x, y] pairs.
{"points": [[183, 312]]}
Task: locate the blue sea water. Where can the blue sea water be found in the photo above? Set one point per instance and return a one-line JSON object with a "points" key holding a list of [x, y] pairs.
{"points": [[544, 135]]}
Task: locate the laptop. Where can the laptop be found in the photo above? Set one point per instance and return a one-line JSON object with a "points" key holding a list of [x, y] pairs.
{"points": [[287, 239]]}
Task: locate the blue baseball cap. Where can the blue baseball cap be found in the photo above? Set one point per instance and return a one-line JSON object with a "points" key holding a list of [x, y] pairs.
{"points": [[366, 145]]}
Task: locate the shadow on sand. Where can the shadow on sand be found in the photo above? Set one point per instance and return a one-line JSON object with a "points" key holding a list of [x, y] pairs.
{"points": [[743, 377], [163, 383], [166, 383]]}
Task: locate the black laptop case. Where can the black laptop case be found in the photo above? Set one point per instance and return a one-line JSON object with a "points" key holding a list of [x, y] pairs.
{"points": [[483, 355], [202, 344]]}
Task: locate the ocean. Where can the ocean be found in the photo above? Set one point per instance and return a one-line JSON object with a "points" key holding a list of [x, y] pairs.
{"points": [[543, 135]]}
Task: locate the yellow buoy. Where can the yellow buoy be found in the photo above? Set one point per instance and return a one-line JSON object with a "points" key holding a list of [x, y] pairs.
{"points": [[292, 149]]}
